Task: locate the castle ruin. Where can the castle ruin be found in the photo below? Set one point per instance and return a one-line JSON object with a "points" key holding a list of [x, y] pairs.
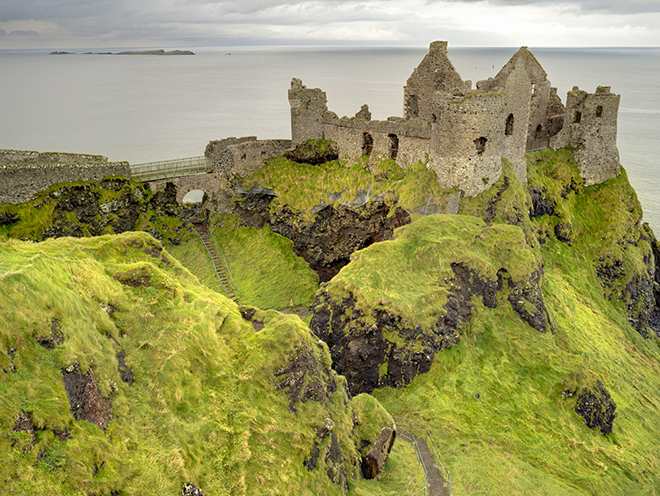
{"points": [[463, 133]]}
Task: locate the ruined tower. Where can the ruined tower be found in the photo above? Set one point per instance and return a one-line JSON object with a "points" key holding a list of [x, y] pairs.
{"points": [[590, 126]]}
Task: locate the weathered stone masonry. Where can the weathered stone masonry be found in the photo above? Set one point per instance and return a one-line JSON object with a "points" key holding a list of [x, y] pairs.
{"points": [[23, 174], [463, 133]]}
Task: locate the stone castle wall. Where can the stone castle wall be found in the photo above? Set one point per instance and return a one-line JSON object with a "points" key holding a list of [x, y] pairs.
{"points": [[243, 156], [467, 142], [28, 157], [590, 126], [20, 182]]}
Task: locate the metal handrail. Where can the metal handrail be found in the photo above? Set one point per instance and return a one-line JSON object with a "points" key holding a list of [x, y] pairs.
{"points": [[411, 425], [224, 288], [171, 168], [226, 264]]}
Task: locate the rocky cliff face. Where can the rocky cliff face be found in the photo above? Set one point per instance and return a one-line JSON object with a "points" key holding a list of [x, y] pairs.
{"points": [[375, 344], [328, 241]]}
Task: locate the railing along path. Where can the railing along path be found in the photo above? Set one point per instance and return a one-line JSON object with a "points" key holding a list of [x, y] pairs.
{"points": [[219, 261], [437, 481], [171, 168]]}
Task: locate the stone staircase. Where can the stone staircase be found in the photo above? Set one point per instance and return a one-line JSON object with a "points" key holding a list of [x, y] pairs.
{"points": [[218, 264]]}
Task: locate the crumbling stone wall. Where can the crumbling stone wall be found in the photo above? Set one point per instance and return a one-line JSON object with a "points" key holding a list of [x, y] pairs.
{"points": [[28, 157], [546, 110], [243, 156], [19, 182], [590, 126]]}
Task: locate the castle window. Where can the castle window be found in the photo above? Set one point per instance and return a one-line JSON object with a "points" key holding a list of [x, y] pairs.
{"points": [[434, 118], [412, 106], [480, 144], [394, 145], [367, 143], [599, 111], [539, 132], [578, 117], [508, 130]]}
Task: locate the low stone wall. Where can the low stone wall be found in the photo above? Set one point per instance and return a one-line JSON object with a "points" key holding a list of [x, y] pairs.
{"points": [[20, 182], [28, 157], [243, 156]]}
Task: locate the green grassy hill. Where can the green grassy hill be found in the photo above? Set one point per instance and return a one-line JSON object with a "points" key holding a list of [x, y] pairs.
{"points": [[122, 372]]}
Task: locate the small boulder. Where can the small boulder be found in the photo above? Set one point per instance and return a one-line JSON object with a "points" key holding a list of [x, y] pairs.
{"points": [[374, 461]]}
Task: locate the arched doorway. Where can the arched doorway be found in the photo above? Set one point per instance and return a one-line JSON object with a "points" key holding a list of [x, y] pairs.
{"points": [[393, 145]]}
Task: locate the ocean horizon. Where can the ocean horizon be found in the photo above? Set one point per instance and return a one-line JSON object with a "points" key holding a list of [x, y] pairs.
{"points": [[149, 108]]}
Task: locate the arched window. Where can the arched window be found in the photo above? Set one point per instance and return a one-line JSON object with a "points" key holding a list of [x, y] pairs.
{"points": [[367, 143], [480, 143], [508, 129], [599, 111], [394, 145], [539, 132], [577, 117]]}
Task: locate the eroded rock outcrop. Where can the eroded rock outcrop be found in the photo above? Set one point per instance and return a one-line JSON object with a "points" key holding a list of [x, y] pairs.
{"points": [[386, 346], [327, 242], [85, 399], [596, 406]]}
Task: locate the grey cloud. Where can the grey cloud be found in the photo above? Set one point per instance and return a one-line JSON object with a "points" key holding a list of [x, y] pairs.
{"points": [[19, 32], [3, 32], [625, 7]]}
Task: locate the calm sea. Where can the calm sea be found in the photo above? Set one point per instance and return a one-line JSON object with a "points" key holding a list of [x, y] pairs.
{"points": [[147, 108]]}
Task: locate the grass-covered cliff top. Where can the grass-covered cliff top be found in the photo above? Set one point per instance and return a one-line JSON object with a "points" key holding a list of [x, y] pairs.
{"points": [[410, 275], [501, 401], [304, 187]]}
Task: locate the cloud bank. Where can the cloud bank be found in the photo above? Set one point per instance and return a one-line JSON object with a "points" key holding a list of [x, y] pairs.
{"points": [[399, 22]]}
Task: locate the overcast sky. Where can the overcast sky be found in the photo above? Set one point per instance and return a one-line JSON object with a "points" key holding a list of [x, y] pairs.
{"points": [[189, 23]]}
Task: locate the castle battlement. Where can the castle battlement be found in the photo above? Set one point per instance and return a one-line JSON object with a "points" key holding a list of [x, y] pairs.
{"points": [[463, 133]]}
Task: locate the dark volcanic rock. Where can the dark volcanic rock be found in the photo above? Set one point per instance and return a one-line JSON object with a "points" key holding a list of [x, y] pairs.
{"points": [[305, 379], [7, 219], [563, 232], [124, 370], [85, 400], [333, 462], [56, 337], [24, 424], [314, 152], [337, 231], [359, 349], [191, 490], [597, 408], [540, 204]]}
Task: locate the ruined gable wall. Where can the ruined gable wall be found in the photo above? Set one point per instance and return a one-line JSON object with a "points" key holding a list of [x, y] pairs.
{"points": [[434, 73], [454, 155], [518, 89], [590, 126]]}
